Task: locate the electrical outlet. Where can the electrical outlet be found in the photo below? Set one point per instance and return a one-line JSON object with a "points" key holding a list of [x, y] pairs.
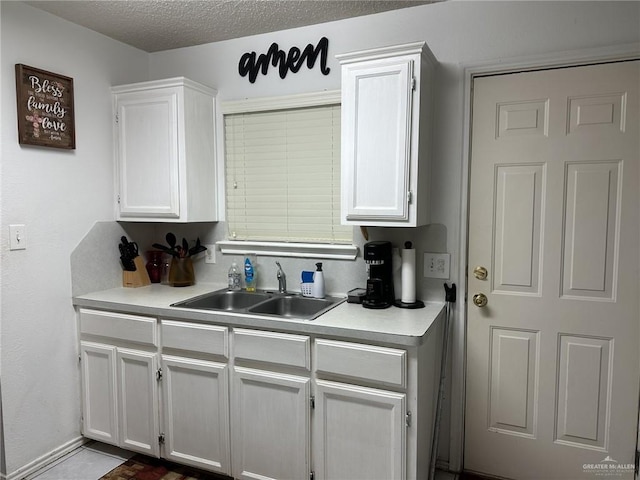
{"points": [[210, 254], [436, 265]]}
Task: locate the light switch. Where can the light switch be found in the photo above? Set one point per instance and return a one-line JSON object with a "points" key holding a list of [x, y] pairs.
{"points": [[17, 237]]}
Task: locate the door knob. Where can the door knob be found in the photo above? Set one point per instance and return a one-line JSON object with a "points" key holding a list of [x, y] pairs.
{"points": [[480, 300], [480, 273]]}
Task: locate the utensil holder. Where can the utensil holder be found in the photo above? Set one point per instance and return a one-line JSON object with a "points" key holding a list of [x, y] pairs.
{"points": [[137, 278], [181, 272]]}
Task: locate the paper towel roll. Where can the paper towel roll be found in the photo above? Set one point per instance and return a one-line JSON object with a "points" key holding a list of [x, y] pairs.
{"points": [[408, 275]]}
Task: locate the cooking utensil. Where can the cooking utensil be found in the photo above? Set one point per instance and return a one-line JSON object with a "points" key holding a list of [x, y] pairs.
{"points": [[128, 251], [168, 250], [171, 240], [196, 250], [132, 248]]}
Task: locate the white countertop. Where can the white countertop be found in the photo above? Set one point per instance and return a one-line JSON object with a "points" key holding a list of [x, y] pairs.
{"points": [[351, 321]]}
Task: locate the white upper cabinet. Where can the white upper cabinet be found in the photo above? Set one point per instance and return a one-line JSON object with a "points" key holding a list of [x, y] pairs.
{"points": [[165, 151], [386, 120]]}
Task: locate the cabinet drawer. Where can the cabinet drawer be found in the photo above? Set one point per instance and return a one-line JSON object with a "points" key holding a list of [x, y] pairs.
{"points": [[193, 337], [119, 326], [362, 362], [278, 348]]}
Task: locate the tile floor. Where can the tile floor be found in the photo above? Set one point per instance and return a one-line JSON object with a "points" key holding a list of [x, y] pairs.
{"points": [[89, 462], [93, 460]]}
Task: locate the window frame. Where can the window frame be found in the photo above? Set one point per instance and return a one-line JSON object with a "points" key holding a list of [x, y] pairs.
{"points": [[285, 249]]}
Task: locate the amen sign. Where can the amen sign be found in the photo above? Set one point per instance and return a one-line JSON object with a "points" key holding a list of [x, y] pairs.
{"points": [[251, 63]]}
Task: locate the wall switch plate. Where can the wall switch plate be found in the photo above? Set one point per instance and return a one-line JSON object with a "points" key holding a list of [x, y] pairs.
{"points": [[436, 265], [210, 254], [17, 237]]}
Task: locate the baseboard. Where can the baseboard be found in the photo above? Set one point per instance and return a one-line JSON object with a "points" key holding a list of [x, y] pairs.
{"points": [[45, 459]]}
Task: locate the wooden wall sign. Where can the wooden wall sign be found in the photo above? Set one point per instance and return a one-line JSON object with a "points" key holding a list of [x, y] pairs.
{"points": [[251, 63], [45, 108]]}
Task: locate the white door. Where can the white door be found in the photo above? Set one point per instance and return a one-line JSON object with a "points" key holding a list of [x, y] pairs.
{"points": [[138, 401], [376, 139], [270, 426], [552, 359], [99, 398], [359, 433], [147, 151], [196, 413]]}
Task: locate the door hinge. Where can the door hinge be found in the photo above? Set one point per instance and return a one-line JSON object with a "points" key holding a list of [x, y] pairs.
{"points": [[79, 358], [161, 439], [409, 197], [637, 466], [413, 83], [312, 402], [159, 374], [118, 199], [407, 419], [312, 475], [117, 119]]}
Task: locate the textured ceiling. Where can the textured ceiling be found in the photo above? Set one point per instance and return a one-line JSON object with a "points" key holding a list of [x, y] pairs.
{"points": [[155, 25]]}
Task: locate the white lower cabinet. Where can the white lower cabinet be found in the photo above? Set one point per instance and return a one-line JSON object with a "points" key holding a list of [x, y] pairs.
{"points": [[271, 405], [258, 404], [138, 401], [196, 412], [120, 397], [270, 425], [359, 433], [195, 395], [119, 357], [100, 404]]}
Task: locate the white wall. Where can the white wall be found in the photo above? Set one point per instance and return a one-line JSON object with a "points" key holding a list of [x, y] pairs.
{"points": [[58, 195]]}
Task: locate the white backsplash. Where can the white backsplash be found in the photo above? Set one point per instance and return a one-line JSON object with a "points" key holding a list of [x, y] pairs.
{"points": [[95, 263]]}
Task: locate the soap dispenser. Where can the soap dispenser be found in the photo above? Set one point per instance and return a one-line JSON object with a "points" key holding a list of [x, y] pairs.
{"points": [[318, 281]]}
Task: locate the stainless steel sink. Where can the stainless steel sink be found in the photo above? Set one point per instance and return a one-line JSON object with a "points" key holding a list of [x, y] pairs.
{"points": [[229, 300], [263, 302], [293, 307]]}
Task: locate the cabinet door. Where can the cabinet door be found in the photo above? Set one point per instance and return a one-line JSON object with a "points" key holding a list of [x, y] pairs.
{"points": [[376, 140], [138, 401], [147, 152], [99, 406], [270, 425], [196, 413], [359, 433]]}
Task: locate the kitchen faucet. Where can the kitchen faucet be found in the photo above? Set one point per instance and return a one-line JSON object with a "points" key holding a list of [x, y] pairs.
{"points": [[282, 279]]}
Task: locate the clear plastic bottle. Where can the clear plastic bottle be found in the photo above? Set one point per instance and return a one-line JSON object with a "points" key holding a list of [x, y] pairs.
{"points": [[235, 280]]}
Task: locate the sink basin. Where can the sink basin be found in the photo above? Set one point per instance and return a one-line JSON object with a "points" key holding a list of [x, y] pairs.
{"points": [[229, 300], [293, 306], [262, 303]]}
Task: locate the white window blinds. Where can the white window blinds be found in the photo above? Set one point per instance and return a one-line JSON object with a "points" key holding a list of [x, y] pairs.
{"points": [[283, 175]]}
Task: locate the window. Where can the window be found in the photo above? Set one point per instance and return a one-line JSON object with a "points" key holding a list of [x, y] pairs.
{"points": [[283, 170]]}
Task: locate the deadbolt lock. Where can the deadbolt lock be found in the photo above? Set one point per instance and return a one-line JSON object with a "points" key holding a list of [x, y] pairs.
{"points": [[480, 300], [480, 273]]}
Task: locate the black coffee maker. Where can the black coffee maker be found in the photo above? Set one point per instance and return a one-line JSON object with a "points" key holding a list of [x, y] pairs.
{"points": [[377, 256]]}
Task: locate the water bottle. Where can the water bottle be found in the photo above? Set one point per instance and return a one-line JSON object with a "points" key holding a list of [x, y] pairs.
{"points": [[234, 277]]}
